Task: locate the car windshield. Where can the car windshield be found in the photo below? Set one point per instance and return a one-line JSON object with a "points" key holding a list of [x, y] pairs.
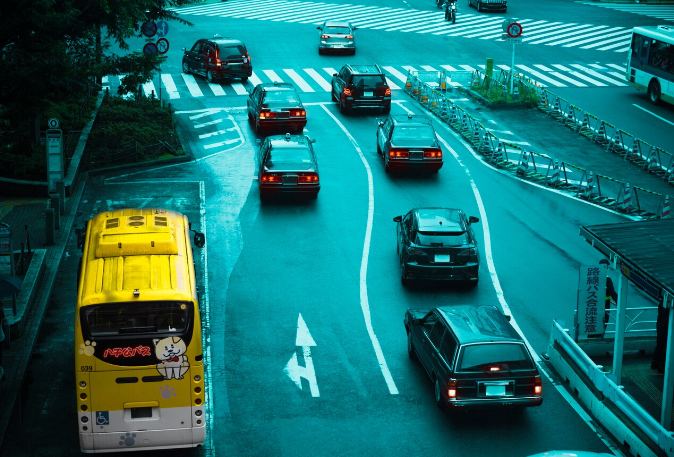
{"points": [[337, 30], [135, 318], [495, 357], [232, 51], [281, 97], [289, 155], [445, 239], [419, 133], [368, 81]]}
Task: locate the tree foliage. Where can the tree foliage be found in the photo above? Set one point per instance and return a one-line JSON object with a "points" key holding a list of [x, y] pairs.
{"points": [[54, 50]]}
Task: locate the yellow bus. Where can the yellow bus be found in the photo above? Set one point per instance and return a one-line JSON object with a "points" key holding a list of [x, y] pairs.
{"points": [[138, 351]]}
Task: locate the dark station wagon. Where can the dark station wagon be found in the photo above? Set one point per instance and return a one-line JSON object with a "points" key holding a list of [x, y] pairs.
{"points": [[474, 356], [218, 58], [276, 106], [287, 164]]}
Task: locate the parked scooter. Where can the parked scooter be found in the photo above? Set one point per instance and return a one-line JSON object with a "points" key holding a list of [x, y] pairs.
{"points": [[450, 10]]}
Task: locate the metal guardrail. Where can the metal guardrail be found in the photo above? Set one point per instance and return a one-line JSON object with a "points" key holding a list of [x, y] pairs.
{"points": [[646, 424], [529, 165]]}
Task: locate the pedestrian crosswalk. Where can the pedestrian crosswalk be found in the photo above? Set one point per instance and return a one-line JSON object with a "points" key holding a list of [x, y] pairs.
{"points": [[665, 12], [406, 20], [318, 80]]}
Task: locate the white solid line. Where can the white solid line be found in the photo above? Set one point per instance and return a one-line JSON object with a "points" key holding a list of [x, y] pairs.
{"points": [[192, 86], [364, 302], [206, 124], [653, 114], [170, 86], [325, 85]]}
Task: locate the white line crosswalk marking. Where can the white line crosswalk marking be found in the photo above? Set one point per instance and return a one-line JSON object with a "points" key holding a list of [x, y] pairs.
{"points": [[297, 79], [393, 72], [217, 89], [325, 85], [170, 86], [271, 74], [254, 80], [598, 75], [239, 89], [540, 75], [192, 86]]}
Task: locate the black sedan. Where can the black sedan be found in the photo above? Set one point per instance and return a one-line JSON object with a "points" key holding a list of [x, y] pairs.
{"points": [[437, 244], [276, 106], [474, 356], [218, 58], [409, 142], [287, 164]]}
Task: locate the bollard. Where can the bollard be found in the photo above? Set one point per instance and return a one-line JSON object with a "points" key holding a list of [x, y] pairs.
{"points": [[61, 191], [54, 204], [25, 227], [49, 226]]}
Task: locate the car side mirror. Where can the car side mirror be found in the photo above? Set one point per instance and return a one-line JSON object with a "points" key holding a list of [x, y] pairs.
{"points": [[355, 28], [184, 49], [318, 28], [473, 220], [199, 239], [398, 219], [313, 141]]}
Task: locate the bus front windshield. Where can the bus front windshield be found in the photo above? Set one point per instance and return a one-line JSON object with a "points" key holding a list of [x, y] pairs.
{"points": [[112, 319]]}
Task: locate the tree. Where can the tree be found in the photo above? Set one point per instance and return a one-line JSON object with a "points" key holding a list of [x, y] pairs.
{"points": [[52, 50]]}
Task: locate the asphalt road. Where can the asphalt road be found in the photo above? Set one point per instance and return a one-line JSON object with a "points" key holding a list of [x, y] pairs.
{"points": [[332, 261]]}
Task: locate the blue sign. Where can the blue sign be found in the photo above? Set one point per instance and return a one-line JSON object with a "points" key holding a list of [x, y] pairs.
{"points": [[162, 28], [102, 417], [150, 48]]}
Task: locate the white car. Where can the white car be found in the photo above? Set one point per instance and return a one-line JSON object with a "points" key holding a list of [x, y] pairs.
{"points": [[337, 36]]}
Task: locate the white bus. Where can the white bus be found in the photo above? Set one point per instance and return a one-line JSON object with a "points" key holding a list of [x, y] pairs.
{"points": [[650, 62]]}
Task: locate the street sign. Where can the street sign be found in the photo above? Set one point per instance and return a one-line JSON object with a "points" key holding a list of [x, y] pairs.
{"points": [[162, 28], [150, 48], [514, 40], [162, 46], [53, 123], [54, 158], [149, 29], [514, 30]]}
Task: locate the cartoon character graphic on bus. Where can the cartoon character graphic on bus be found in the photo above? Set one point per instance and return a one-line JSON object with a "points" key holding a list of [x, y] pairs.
{"points": [[170, 351]]}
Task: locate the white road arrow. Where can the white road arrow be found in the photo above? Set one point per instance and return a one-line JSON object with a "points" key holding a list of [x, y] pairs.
{"points": [[293, 369]]}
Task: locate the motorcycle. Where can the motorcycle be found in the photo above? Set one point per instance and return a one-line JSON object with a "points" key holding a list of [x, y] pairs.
{"points": [[450, 11]]}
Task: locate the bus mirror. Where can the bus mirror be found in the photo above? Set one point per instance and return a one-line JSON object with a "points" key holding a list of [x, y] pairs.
{"points": [[199, 239]]}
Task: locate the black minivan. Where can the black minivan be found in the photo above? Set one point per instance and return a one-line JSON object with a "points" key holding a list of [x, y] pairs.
{"points": [[218, 58], [474, 356]]}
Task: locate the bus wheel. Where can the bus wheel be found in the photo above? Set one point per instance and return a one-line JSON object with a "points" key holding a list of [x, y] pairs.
{"points": [[654, 92]]}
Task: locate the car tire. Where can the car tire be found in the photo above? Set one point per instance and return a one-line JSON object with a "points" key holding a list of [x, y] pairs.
{"points": [[320, 51], [438, 394], [654, 93], [410, 347], [479, 6], [314, 196], [186, 67], [387, 169], [403, 275], [378, 148], [386, 109], [353, 53], [244, 80], [332, 93], [342, 108]]}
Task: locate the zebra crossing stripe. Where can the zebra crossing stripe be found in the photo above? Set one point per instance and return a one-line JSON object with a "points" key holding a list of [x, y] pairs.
{"points": [[148, 89], [239, 89], [311, 15], [320, 17], [588, 79], [429, 25], [330, 71], [529, 26], [318, 78], [388, 15], [427, 68], [393, 72], [192, 86], [620, 31], [625, 46], [378, 19], [540, 75], [617, 67], [364, 13], [467, 67], [254, 80], [598, 75], [271, 74], [217, 89], [449, 68], [562, 33], [297, 79], [558, 75], [542, 67], [170, 86], [554, 30], [398, 20]]}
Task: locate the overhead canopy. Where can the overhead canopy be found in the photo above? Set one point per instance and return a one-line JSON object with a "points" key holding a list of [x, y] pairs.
{"points": [[643, 251]]}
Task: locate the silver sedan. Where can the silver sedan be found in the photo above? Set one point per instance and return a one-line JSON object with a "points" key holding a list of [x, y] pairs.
{"points": [[337, 36]]}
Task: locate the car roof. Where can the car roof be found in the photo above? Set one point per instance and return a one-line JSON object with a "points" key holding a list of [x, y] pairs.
{"points": [[225, 40], [439, 219], [482, 323], [337, 24], [365, 69], [288, 141], [411, 119]]}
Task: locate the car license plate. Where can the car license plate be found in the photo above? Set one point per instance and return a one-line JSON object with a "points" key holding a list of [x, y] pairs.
{"points": [[337, 45], [368, 94], [441, 258], [496, 391]]}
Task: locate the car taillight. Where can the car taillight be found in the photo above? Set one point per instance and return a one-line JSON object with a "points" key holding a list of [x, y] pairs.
{"points": [[271, 177], [349, 37], [325, 37], [267, 114], [218, 63], [433, 154], [387, 91], [298, 112], [308, 177], [247, 59], [451, 389], [538, 386], [467, 255], [398, 154], [416, 255], [346, 91]]}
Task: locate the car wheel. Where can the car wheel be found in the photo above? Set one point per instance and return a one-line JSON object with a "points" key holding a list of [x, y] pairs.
{"points": [[386, 109], [244, 80], [410, 348], [209, 76], [250, 118], [314, 195], [186, 67], [332, 93], [320, 51], [438, 393], [479, 6], [353, 53], [654, 93], [342, 108], [387, 169], [403, 275]]}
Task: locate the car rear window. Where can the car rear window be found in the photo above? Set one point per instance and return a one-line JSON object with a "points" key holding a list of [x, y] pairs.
{"points": [[421, 133], [337, 30], [283, 97], [504, 356], [444, 239], [231, 52], [290, 155], [368, 81]]}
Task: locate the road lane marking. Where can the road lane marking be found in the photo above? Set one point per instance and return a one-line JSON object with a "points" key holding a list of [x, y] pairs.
{"points": [[364, 302], [293, 369], [653, 114], [192, 86], [170, 86]]}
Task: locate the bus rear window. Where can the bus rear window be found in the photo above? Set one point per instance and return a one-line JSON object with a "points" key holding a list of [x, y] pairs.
{"points": [[134, 318]]}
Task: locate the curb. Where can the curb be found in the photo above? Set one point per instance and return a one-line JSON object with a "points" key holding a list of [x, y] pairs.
{"points": [[26, 298]]}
